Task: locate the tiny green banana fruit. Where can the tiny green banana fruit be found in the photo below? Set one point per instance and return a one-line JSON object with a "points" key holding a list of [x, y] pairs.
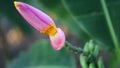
{"points": [[100, 63], [86, 47], [96, 51], [83, 61], [91, 46], [92, 65]]}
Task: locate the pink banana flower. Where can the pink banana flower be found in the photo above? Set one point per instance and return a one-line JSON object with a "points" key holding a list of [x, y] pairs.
{"points": [[43, 23]]}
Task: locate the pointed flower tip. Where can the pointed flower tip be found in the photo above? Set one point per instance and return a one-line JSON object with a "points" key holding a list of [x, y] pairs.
{"points": [[16, 4], [58, 40]]}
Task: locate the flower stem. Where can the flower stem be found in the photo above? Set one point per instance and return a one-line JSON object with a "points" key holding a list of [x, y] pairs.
{"points": [[74, 49], [110, 26]]}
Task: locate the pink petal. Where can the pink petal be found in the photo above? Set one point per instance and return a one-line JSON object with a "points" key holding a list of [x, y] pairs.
{"points": [[38, 19], [58, 39]]}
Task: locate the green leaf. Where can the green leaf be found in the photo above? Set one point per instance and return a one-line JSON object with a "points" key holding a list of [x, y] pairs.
{"points": [[55, 6], [43, 55], [49, 66], [89, 15]]}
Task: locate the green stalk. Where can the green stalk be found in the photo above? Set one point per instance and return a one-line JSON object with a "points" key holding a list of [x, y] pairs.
{"points": [[74, 49], [110, 26]]}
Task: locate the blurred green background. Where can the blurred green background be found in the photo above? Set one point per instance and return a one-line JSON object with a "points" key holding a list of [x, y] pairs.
{"points": [[21, 46]]}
